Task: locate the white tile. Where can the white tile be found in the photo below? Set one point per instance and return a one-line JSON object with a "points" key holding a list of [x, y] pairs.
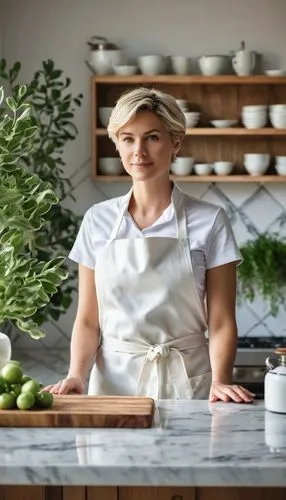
{"points": [[262, 210], [277, 324], [244, 318], [195, 189], [241, 232], [278, 228], [258, 331], [278, 191], [238, 193], [212, 196]]}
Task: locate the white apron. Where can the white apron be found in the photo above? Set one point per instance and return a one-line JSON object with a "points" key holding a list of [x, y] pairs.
{"points": [[152, 322]]}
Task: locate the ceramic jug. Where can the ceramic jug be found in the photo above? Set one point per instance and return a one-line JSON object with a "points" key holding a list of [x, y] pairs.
{"points": [[275, 382], [5, 349], [104, 55], [243, 61]]}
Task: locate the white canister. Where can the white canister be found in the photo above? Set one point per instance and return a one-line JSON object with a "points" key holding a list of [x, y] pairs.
{"points": [[5, 349], [275, 382]]}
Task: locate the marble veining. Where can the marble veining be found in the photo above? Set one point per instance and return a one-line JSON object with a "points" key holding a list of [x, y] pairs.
{"points": [[192, 443]]}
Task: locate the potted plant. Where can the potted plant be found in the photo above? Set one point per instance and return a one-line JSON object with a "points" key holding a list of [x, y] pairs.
{"points": [[26, 282], [263, 271], [53, 108]]}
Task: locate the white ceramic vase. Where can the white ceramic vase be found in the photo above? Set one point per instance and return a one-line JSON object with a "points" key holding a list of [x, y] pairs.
{"points": [[5, 349]]}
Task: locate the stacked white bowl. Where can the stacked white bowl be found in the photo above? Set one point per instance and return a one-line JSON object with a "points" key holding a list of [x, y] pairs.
{"points": [[277, 114], [254, 116], [223, 167], [192, 118], [110, 166], [280, 165], [183, 165], [256, 164], [203, 168], [104, 113]]}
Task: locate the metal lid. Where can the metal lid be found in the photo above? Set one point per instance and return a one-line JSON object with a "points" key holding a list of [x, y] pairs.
{"points": [[101, 44]]}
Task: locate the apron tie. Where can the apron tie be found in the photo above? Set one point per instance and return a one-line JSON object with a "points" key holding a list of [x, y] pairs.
{"points": [[157, 357], [157, 351]]}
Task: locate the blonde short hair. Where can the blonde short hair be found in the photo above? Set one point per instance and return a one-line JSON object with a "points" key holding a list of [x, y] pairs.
{"points": [[144, 99]]}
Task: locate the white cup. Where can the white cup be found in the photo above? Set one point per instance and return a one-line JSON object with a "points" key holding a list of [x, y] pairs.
{"points": [[203, 168]]}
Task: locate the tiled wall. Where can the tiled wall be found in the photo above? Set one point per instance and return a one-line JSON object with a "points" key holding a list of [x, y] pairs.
{"points": [[59, 30]]}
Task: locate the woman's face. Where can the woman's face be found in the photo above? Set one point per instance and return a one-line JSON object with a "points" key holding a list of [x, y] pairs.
{"points": [[145, 147]]}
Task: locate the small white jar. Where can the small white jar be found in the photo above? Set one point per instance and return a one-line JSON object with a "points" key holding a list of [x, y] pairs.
{"points": [[275, 382]]}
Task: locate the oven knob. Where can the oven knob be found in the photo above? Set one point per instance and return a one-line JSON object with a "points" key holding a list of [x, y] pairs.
{"points": [[237, 373], [258, 373]]}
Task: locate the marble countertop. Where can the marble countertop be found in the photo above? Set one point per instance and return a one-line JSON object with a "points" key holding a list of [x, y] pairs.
{"points": [[192, 443]]}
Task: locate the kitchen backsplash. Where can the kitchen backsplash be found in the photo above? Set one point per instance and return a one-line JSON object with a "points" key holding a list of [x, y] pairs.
{"points": [[251, 208]]}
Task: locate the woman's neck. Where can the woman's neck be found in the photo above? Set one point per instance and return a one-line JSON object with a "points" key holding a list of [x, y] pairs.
{"points": [[149, 200]]}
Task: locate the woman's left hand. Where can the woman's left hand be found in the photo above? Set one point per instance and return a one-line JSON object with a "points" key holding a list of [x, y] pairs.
{"points": [[229, 392]]}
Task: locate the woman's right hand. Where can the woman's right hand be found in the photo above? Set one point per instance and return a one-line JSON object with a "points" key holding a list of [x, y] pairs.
{"points": [[66, 386]]}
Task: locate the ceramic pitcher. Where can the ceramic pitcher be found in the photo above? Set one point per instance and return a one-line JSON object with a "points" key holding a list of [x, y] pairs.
{"points": [[243, 61]]}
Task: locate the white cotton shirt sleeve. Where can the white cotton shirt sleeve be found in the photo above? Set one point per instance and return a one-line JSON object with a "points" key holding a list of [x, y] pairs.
{"points": [[83, 250], [222, 247]]}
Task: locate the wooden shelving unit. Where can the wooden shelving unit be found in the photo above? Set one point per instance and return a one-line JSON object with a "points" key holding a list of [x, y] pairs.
{"points": [[216, 97], [204, 178]]}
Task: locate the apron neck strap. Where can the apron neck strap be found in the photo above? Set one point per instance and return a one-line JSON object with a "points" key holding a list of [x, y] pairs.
{"points": [[179, 209]]}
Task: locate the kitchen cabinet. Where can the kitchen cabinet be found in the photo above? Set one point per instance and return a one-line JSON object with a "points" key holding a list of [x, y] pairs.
{"points": [[216, 97], [138, 493]]}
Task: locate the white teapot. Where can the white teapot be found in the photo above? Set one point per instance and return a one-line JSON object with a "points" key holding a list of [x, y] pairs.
{"points": [[244, 61], [5, 349], [275, 382]]}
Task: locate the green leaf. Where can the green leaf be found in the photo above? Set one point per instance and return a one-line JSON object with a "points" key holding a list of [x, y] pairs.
{"points": [[11, 103]]}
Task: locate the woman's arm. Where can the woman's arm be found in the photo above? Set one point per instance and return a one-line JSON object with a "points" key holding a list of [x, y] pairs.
{"points": [[85, 336], [221, 299], [85, 332]]}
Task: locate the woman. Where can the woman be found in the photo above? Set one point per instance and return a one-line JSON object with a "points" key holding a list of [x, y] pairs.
{"points": [[148, 263]]}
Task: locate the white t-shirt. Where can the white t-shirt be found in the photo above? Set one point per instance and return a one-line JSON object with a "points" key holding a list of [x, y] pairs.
{"points": [[211, 238]]}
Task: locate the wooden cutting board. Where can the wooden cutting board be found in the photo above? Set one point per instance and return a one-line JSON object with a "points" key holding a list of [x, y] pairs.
{"points": [[85, 411]]}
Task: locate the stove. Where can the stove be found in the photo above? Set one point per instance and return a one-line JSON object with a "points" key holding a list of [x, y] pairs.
{"points": [[249, 370]]}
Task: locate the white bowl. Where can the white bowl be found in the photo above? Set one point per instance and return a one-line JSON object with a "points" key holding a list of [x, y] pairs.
{"points": [[183, 165], [255, 169], [280, 168], [104, 113], [213, 64], [278, 120], [275, 72], [275, 108], [223, 167], [110, 166], [223, 123], [280, 160], [256, 163], [180, 65], [192, 118], [203, 168], [152, 64], [254, 121], [125, 69], [255, 108]]}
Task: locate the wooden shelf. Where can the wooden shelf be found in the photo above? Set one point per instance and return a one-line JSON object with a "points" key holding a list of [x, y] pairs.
{"points": [[193, 79], [202, 178], [216, 97], [260, 132]]}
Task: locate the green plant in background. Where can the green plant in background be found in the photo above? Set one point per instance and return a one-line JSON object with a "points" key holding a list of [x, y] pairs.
{"points": [[263, 271], [53, 110], [26, 282]]}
